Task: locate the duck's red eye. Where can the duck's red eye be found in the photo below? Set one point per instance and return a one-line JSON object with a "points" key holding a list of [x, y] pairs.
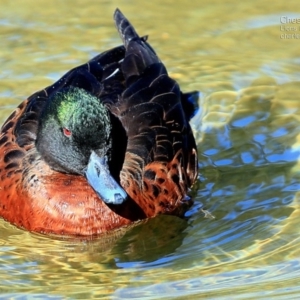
{"points": [[67, 132]]}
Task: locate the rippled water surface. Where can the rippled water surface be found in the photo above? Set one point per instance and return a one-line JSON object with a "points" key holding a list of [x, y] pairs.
{"points": [[246, 63]]}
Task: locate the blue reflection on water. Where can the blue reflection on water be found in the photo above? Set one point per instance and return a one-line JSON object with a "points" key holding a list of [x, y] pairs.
{"points": [[247, 157], [212, 151], [287, 156], [259, 138], [280, 132], [164, 261], [224, 162], [244, 121], [225, 282]]}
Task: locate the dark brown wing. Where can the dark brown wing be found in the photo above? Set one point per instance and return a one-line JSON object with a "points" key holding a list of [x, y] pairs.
{"points": [[161, 159], [151, 109]]}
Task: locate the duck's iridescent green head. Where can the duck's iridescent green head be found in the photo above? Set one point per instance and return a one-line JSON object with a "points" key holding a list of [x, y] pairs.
{"points": [[74, 136]]}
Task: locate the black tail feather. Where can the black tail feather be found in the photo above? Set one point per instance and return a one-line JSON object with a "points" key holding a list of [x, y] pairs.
{"points": [[126, 30], [189, 103], [139, 55]]}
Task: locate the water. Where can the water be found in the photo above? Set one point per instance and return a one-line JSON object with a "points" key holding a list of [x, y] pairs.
{"points": [[247, 67]]}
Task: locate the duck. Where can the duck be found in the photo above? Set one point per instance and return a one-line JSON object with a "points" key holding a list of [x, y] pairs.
{"points": [[105, 146]]}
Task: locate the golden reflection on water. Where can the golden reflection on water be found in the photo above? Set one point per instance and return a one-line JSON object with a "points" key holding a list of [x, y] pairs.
{"points": [[248, 140]]}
